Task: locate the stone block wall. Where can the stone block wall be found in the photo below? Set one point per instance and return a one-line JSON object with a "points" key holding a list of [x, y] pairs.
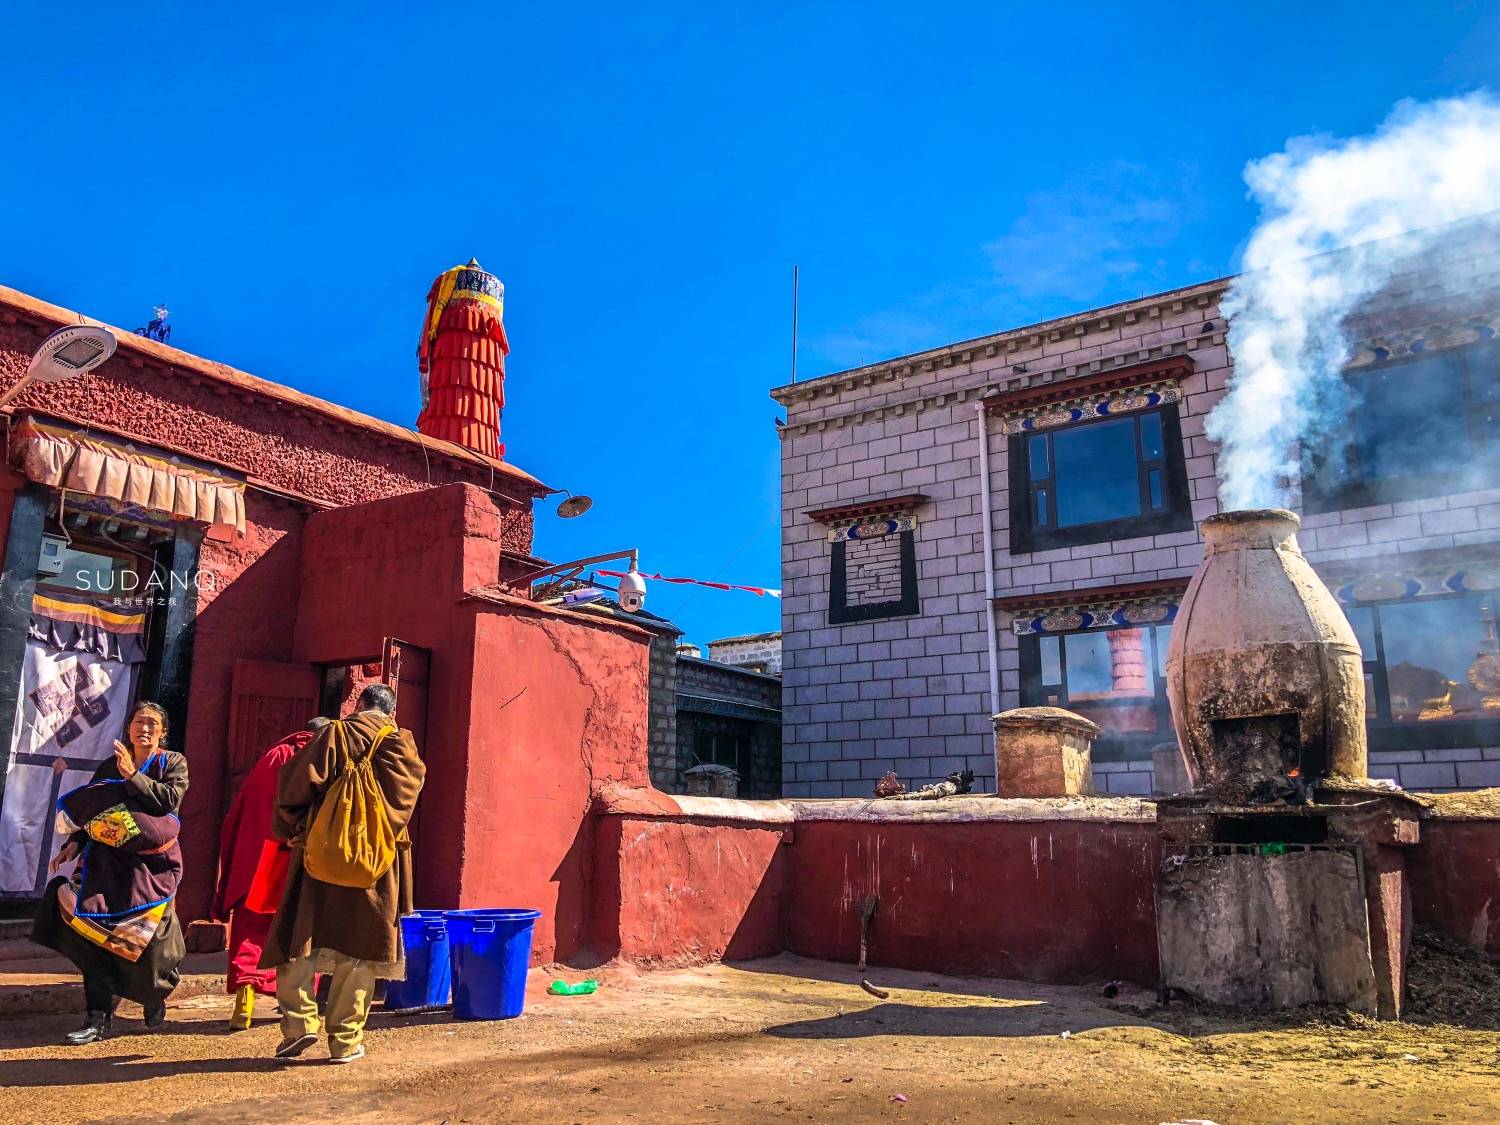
{"points": [[734, 701], [762, 650], [661, 744]]}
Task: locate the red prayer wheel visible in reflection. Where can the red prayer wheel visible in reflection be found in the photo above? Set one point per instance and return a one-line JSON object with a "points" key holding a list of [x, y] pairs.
{"points": [[462, 360], [1127, 651]]}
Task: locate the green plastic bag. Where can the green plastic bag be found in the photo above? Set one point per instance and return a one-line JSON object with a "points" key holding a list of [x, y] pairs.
{"points": [[582, 988]]}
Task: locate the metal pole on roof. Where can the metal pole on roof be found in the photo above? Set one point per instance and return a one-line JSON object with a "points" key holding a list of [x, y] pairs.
{"points": [[992, 640], [794, 324]]}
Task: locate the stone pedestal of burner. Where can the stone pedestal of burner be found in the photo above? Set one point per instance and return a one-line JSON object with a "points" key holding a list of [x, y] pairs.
{"points": [[1283, 905], [1044, 752]]}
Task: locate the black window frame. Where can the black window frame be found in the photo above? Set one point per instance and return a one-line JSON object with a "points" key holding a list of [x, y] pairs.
{"points": [[1130, 745], [1321, 495], [711, 735], [840, 612], [1027, 535], [1382, 733]]}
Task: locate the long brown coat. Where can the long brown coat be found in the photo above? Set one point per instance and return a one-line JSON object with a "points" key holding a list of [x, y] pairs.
{"points": [[349, 920]]}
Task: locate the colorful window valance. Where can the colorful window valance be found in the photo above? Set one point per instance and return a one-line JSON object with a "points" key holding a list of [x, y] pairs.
{"points": [[68, 458], [1102, 394], [1066, 611], [72, 621]]}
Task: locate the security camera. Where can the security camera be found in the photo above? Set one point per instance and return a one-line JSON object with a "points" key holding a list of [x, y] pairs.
{"points": [[632, 592]]}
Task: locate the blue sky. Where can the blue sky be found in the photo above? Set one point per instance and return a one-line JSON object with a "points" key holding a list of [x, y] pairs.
{"points": [[289, 179]]}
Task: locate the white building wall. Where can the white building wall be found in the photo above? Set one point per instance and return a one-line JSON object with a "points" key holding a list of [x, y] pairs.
{"points": [[911, 693]]}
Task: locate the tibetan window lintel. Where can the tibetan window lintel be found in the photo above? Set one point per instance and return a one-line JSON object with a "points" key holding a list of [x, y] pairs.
{"points": [[1426, 574], [852, 513], [1062, 611], [1099, 395], [872, 559]]}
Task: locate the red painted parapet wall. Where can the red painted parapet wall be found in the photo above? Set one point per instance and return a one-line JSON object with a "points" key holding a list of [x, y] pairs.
{"points": [[980, 886], [1042, 900], [1455, 880], [993, 888], [682, 890]]}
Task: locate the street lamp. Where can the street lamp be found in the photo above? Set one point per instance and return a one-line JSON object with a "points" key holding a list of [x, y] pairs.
{"points": [[66, 353]]}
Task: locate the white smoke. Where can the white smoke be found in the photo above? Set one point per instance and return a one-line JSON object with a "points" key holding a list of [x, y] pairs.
{"points": [[1375, 200]]}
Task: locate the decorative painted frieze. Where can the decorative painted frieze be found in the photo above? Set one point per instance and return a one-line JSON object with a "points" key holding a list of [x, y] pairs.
{"points": [[1419, 582], [1105, 405], [1433, 338], [1102, 615], [870, 527]]}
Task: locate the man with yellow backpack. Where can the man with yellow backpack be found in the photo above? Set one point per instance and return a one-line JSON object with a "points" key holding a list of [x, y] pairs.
{"points": [[343, 804]]}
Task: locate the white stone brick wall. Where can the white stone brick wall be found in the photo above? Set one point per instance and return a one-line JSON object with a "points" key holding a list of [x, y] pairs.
{"points": [[872, 570], [912, 693], [763, 650]]}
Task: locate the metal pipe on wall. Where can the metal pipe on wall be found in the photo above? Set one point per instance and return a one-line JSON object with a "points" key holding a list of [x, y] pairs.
{"points": [[989, 567]]}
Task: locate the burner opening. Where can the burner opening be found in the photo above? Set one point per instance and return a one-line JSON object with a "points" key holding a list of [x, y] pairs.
{"points": [[1260, 745], [1266, 760], [1271, 829]]}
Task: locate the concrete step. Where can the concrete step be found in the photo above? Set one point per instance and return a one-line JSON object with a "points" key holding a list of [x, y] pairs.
{"points": [[14, 929], [46, 983], [19, 949]]}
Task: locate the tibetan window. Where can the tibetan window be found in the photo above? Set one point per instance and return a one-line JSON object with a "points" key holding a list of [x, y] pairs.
{"points": [[1104, 659], [1427, 627], [1423, 425], [1107, 465], [872, 559]]}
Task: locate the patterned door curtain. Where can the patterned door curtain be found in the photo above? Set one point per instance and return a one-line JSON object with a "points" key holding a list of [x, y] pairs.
{"points": [[82, 655]]}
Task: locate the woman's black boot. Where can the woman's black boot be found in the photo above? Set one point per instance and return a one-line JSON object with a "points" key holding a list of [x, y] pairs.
{"points": [[96, 1028]]}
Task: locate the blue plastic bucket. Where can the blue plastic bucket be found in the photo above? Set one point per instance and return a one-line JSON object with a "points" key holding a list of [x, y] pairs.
{"points": [[424, 937], [491, 952]]}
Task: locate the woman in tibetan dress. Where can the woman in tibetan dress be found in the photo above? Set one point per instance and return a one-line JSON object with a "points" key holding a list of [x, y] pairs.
{"points": [[114, 917]]}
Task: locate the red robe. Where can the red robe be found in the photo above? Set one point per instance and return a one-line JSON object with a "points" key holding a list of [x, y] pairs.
{"points": [[252, 866]]}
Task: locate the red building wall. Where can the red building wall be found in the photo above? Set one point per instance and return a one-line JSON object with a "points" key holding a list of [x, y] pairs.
{"points": [[529, 709], [299, 455], [269, 433], [398, 568], [247, 604], [1064, 900], [9, 482], [558, 709]]}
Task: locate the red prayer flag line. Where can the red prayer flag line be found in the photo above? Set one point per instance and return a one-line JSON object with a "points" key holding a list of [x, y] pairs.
{"points": [[758, 591]]}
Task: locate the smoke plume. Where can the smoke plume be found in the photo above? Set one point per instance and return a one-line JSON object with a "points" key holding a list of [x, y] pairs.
{"points": [[1338, 220]]}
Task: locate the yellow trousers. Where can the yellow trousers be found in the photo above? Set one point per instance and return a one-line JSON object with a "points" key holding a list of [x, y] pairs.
{"points": [[350, 991]]}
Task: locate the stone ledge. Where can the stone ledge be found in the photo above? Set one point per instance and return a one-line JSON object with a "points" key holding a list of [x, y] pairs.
{"points": [[977, 808]]}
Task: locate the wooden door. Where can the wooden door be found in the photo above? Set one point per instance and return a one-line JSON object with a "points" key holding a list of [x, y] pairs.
{"points": [[404, 669], [267, 702]]}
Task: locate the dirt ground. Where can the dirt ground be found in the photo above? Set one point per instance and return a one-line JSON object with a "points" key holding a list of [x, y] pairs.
{"points": [[777, 1039]]}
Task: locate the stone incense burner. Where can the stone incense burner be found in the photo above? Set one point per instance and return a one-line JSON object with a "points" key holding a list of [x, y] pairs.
{"points": [[1264, 674]]}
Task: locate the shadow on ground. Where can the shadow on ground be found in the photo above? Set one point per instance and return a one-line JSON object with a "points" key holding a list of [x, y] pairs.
{"points": [[125, 1068]]}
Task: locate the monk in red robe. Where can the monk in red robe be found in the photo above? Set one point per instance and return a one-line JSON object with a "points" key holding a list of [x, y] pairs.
{"points": [[252, 874]]}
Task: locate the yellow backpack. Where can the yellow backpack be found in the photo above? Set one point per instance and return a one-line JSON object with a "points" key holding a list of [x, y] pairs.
{"points": [[351, 842]]}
